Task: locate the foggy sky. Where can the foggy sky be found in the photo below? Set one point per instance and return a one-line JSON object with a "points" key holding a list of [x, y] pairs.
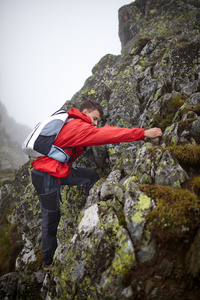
{"points": [[48, 49]]}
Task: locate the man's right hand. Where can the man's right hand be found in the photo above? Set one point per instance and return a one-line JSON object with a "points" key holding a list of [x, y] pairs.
{"points": [[153, 133]]}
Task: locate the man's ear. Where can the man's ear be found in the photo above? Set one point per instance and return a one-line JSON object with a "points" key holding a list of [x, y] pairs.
{"points": [[85, 111]]}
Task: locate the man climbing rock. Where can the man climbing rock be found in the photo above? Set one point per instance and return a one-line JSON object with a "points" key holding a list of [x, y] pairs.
{"points": [[49, 174]]}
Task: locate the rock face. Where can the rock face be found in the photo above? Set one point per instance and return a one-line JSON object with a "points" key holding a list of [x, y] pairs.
{"points": [[137, 234], [158, 18], [12, 136]]}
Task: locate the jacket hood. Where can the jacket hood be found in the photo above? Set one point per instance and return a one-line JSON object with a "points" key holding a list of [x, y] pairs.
{"points": [[75, 113]]}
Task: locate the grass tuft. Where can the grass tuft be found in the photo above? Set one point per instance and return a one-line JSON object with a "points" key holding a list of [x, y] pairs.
{"points": [[175, 208]]}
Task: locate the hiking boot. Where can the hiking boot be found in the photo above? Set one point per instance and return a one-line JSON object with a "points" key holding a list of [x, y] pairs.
{"points": [[47, 268]]}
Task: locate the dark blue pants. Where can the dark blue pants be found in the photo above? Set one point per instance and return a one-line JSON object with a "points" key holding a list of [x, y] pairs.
{"points": [[48, 190]]}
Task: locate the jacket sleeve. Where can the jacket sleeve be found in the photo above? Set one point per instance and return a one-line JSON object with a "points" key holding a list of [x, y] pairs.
{"points": [[80, 134]]}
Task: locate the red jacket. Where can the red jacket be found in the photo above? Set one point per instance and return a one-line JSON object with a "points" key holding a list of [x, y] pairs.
{"points": [[80, 133]]}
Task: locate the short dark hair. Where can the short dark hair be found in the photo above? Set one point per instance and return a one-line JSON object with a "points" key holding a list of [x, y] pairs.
{"points": [[91, 105]]}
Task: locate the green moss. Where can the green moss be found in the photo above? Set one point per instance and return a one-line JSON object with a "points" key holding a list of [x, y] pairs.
{"points": [[167, 112], [195, 109], [185, 125], [139, 45], [10, 244], [121, 217], [195, 185], [186, 154], [175, 208]]}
